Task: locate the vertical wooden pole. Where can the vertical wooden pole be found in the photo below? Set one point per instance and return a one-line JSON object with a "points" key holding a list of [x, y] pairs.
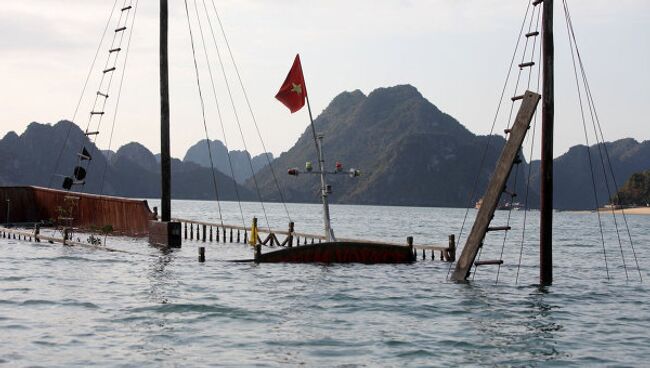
{"points": [[452, 248], [191, 231], [201, 254], [409, 242], [165, 158], [546, 166], [238, 235], [186, 231], [210, 234], [205, 231], [258, 251], [231, 235], [291, 226]]}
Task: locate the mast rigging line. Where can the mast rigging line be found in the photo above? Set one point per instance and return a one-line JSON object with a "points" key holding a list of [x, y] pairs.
{"points": [[120, 25], [238, 121], [205, 126], [494, 121], [83, 92], [216, 101], [586, 136], [496, 116], [250, 109], [530, 173], [596, 124], [119, 95]]}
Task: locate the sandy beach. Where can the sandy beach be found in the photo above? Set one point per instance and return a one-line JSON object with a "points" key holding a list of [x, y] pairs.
{"points": [[628, 211]]}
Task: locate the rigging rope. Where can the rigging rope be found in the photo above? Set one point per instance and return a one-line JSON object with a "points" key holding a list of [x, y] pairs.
{"points": [[110, 81], [219, 115], [250, 109], [119, 95], [530, 172], [596, 123], [205, 126], [586, 136], [496, 115], [83, 92], [241, 133]]}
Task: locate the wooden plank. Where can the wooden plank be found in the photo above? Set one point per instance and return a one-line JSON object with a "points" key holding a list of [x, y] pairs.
{"points": [[496, 185]]}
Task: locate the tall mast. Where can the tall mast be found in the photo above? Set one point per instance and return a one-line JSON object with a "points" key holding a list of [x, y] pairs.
{"points": [[318, 140], [546, 167], [165, 160]]}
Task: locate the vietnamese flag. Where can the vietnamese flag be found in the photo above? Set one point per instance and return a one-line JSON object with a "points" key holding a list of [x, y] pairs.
{"points": [[293, 91]]}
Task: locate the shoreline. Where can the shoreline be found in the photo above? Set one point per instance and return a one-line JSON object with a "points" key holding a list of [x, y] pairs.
{"points": [[627, 211]]}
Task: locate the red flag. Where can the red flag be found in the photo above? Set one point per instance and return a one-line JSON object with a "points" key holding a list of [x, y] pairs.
{"points": [[293, 91]]}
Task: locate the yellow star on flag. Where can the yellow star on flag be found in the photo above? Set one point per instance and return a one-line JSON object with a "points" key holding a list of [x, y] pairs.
{"points": [[296, 88]]}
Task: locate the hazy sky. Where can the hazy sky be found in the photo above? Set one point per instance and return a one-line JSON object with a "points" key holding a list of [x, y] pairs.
{"points": [[455, 52]]}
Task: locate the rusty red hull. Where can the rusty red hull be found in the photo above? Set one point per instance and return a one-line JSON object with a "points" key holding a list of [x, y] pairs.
{"points": [[341, 252], [34, 204]]}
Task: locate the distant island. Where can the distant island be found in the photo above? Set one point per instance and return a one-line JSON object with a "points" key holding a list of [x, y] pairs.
{"points": [[409, 151]]}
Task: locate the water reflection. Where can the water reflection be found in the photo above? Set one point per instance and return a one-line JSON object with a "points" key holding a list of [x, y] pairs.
{"points": [[518, 326], [160, 275]]}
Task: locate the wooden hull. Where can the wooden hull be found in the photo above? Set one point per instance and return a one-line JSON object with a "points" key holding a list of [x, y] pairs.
{"points": [[30, 204], [341, 252]]}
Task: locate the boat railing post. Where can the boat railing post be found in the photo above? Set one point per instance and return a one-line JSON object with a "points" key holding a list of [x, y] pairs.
{"points": [[258, 252], [451, 251], [290, 242], [8, 208], [37, 232]]}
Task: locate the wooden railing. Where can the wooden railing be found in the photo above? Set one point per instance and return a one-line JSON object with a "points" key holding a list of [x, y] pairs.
{"points": [[208, 232]]}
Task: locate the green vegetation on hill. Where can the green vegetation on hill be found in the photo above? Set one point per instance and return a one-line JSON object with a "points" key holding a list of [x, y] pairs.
{"points": [[636, 191]]}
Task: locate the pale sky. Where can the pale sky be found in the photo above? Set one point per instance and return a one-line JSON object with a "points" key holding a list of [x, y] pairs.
{"points": [[456, 52]]}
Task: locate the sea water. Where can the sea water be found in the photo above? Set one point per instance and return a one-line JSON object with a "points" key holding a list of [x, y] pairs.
{"points": [[63, 306]]}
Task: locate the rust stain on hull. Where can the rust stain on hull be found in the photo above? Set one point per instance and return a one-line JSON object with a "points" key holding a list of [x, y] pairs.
{"points": [[127, 216]]}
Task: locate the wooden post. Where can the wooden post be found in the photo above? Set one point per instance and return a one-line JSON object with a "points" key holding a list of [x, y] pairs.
{"points": [[258, 251], [290, 234], [224, 234], [231, 235], [217, 234], [191, 231], [201, 254], [8, 207], [186, 231], [238, 239], [546, 162], [210, 234], [245, 236], [452, 248], [205, 230], [66, 235], [409, 242]]}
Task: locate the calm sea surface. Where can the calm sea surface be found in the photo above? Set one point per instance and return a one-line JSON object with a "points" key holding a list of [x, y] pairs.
{"points": [[70, 306]]}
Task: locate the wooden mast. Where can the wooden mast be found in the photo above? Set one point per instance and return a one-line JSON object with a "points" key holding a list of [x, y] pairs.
{"points": [[165, 159], [546, 167], [164, 233]]}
